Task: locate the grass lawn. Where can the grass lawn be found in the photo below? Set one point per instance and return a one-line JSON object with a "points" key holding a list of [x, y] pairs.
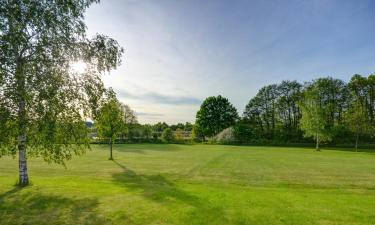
{"points": [[194, 184]]}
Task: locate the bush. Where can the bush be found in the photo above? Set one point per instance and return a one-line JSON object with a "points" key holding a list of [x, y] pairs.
{"points": [[226, 136], [167, 135]]}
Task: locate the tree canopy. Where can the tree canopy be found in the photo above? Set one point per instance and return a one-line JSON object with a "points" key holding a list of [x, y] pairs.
{"points": [[110, 121], [215, 114]]}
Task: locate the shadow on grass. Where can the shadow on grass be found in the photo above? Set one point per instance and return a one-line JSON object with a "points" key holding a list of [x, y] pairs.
{"points": [[160, 189], [19, 206], [143, 148], [343, 149]]}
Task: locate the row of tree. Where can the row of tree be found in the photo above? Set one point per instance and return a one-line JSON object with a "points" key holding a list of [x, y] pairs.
{"points": [[325, 109]]}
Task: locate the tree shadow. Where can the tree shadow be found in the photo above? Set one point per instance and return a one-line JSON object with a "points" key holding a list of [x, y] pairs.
{"points": [[144, 148], [18, 206], [159, 189], [343, 149]]}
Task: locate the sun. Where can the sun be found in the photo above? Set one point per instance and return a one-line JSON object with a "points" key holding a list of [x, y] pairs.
{"points": [[78, 67]]}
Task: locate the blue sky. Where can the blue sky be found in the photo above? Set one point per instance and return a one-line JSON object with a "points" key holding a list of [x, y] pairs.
{"points": [[179, 52]]}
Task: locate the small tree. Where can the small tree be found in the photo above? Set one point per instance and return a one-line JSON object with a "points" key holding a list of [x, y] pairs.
{"points": [[215, 114], [110, 122], [179, 135], [167, 135], [356, 121], [147, 131], [313, 121]]}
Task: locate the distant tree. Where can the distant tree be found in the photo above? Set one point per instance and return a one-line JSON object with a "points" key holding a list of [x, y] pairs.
{"points": [[357, 116], [130, 116], [129, 120], [159, 127], [155, 137], [356, 121], [261, 111], [43, 101], [371, 101], [179, 134], [215, 114], [188, 126], [110, 122], [274, 114], [288, 111], [243, 131], [167, 135], [177, 126], [196, 134], [147, 131], [313, 121]]}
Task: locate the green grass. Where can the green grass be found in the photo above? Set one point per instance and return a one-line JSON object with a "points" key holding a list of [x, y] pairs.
{"points": [[194, 184]]}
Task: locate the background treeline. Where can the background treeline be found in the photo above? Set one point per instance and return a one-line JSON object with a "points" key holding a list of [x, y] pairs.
{"points": [[325, 110], [279, 112]]}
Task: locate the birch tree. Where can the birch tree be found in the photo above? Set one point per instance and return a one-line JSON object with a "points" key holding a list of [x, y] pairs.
{"points": [[43, 102], [313, 120]]}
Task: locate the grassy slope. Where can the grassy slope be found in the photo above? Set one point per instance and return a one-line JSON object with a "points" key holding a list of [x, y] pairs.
{"points": [[197, 184]]}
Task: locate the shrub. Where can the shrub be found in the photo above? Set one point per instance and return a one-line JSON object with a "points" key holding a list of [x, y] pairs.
{"points": [[167, 135], [226, 136]]}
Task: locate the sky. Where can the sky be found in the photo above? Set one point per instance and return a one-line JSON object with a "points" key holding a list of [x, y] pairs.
{"points": [[178, 52]]}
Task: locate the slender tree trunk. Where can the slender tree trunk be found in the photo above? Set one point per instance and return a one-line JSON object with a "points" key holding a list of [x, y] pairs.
{"points": [[317, 143], [356, 142], [22, 163], [110, 149]]}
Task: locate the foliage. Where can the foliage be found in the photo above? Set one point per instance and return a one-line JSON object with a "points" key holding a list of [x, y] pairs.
{"points": [[282, 113], [215, 114], [147, 131], [316, 107], [167, 135], [43, 101], [274, 113], [129, 115], [179, 135], [109, 121], [243, 131], [357, 117], [160, 127]]}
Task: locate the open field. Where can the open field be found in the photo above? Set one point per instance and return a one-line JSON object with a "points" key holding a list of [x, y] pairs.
{"points": [[194, 184]]}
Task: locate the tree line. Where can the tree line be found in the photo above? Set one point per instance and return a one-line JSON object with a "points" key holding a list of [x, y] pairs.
{"points": [[324, 110]]}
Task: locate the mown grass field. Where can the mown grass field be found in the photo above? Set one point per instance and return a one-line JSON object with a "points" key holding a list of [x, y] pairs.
{"points": [[194, 184]]}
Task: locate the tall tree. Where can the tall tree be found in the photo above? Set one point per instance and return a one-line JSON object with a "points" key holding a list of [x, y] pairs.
{"points": [[371, 100], [314, 122], [288, 111], [357, 117], [129, 119], [215, 114], [43, 101], [261, 111], [110, 122]]}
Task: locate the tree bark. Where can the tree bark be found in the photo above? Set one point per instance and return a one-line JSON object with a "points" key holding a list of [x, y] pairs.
{"points": [[356, 142], [22, 120], [317, 143], [110, 150]]}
